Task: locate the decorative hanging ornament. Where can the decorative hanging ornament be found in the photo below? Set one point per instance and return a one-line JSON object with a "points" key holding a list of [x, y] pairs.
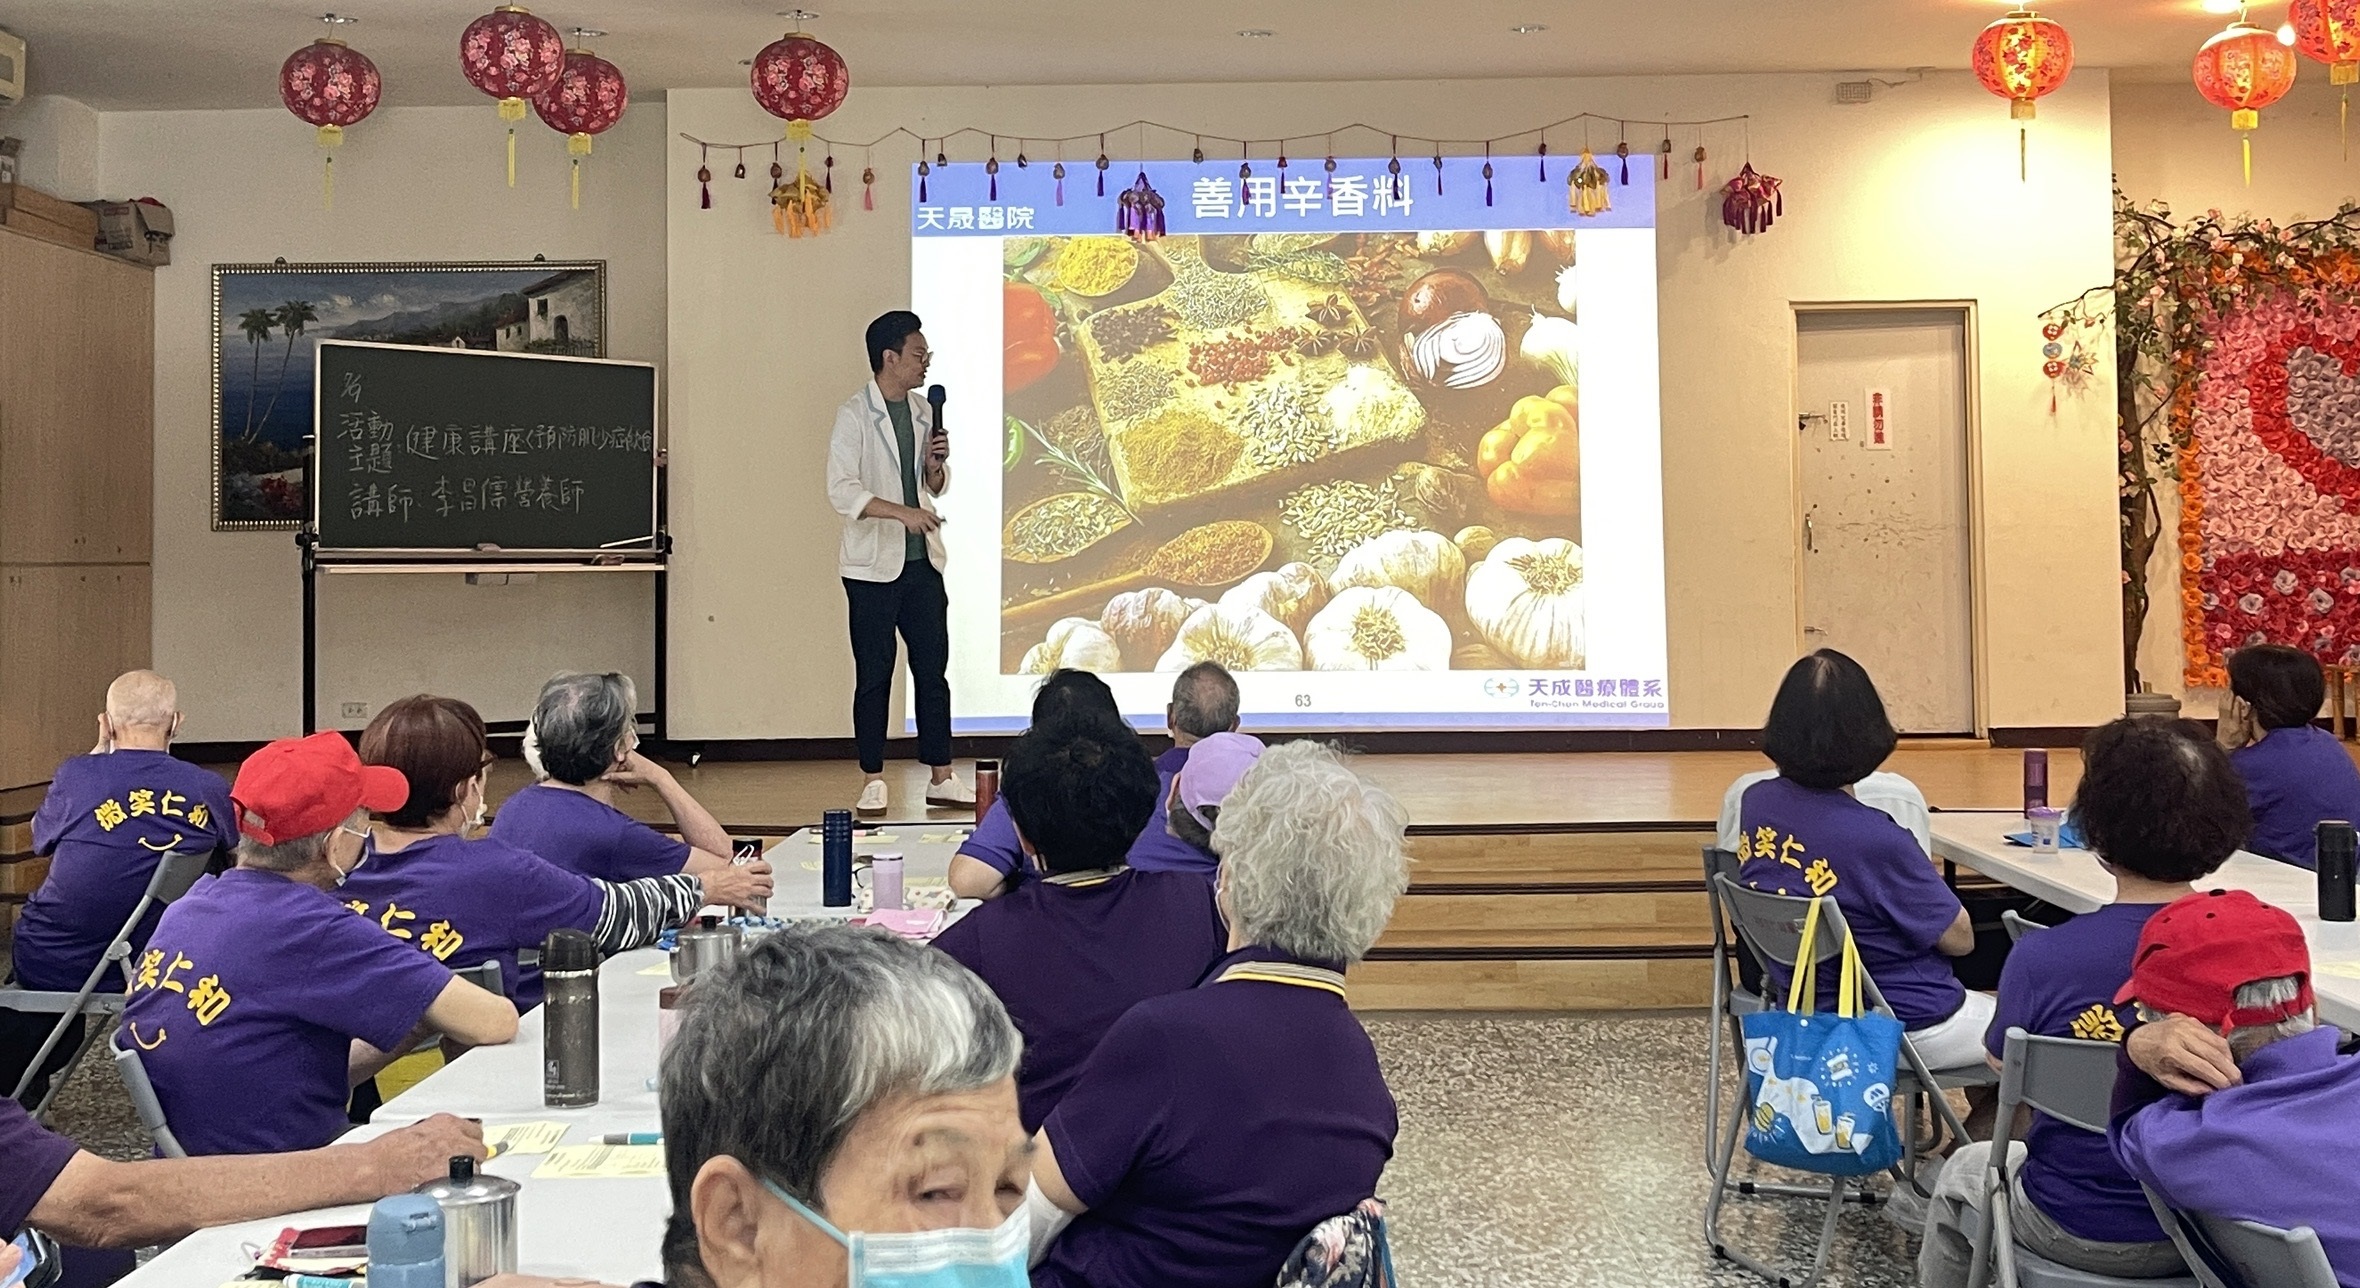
{"points": [[1666, 152], [1586, 192], [704, 180], [1102, 164], [868, 187], [2328, 31], [587, 100], [512, 56], [1700, 165], [1622, 153], [2244, 69], [796, 78], [1487, 172], [329, 84], [800, 205], [1750, 202], [1139, 212], [2022, 58]]}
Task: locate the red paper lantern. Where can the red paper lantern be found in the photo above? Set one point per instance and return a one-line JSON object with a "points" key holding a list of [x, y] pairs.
{"points": [[588, 98], [800, 79], [2022, 58], [2244, 69], [512, 56], [329, 84], [2329, 32]]}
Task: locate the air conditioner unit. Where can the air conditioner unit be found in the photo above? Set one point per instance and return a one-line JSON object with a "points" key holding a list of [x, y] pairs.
{"points": [[12, 68]]}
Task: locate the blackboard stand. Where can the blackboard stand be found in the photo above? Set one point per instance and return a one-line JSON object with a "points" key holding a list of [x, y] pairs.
{"points": [[318, 562]]}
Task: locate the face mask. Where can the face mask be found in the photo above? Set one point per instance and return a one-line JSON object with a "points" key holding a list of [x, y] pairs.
{"points": [[930, 1258], [476, 819], [360, 856]]}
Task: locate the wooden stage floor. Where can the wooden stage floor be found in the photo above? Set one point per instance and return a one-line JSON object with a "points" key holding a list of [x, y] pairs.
{"points": [[1507, 792]]}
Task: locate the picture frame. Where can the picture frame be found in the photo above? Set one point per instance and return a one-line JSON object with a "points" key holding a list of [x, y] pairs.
{"points": [[268, 318]]}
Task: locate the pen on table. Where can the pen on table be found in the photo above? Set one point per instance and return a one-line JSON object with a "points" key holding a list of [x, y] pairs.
{"points": [[632, 1138]]}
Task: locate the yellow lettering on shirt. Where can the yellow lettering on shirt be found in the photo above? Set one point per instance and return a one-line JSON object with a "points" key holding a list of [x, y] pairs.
{"points": [[2098, 1024], [360, 906], [1791, 852], [208, 999], [150, 962], [1765, 842], [179, 963], [109, 814], [143, 801], [441, 940], [170, 808], [395, 912], [1822, 878], [199, 816]]}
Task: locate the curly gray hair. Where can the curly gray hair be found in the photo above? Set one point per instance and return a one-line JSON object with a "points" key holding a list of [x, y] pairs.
{"points": [[1312, 855]]}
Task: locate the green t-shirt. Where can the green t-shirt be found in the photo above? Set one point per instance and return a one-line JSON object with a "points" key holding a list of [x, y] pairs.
{"points": [[905, 436]]}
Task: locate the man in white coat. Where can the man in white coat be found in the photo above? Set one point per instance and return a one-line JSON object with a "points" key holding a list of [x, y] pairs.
{"points": [[886, 464]]}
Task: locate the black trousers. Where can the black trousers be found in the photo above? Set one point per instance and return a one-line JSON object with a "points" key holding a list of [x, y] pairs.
{"points": [[916, 605]]}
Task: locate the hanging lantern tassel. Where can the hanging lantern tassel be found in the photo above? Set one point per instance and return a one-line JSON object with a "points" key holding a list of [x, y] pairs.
{"points": [[330, 136], [1586, 192], [512, 111], [1700, 167], [577, 146], [1139, 212], [2245, 121], [868, 188], [1622, 153], [1057, 172], [1666, 151], [800, 206], [1487, 173]]}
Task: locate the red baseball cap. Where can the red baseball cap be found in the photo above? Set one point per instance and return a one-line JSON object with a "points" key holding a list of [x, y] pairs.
{"points": [[304, 786], [2195, 954]]}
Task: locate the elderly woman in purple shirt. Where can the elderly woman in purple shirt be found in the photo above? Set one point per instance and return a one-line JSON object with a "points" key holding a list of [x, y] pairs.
{"points": [[2297, 775], [1213, 1128]]}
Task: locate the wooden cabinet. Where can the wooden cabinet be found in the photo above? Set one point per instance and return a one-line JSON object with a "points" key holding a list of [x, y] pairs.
{"points": [[77, 477]]}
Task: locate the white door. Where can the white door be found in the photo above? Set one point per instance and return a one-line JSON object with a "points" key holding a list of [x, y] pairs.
{"points": [[1881, 397]]}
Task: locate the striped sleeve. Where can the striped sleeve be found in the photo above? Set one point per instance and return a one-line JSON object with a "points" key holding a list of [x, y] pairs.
{"points": [[635, 913]]}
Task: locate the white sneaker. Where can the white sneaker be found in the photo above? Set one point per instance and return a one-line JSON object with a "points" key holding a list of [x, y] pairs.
{"points": [[872, 798], [950, 793]]}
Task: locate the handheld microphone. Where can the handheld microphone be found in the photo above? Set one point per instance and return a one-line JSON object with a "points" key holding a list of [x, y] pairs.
{"points": [[934, 397]]}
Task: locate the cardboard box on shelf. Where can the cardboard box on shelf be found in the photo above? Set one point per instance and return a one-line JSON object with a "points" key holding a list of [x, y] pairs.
{"points": [[139, 231]]}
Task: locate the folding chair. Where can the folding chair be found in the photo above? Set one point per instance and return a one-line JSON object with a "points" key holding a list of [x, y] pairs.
{"points": [[143, 1099], [1770, 926], [174, 873], [1732, 1001], [2018, 926], [2071, 1081], [2227, 1253]]}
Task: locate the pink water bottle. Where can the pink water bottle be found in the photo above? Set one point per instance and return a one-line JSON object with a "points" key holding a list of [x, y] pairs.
{"points": [[885, 876], [2036, 779]]}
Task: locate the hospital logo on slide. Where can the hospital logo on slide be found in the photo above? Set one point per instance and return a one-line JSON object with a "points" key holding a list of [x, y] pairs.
{"points": [[1502, 686]]}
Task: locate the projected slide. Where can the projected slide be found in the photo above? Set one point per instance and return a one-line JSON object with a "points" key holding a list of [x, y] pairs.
{"points": [[1390, 454]]}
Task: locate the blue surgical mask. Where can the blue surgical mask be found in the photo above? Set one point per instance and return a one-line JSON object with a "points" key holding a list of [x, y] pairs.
{"points": [[959, 1258]]}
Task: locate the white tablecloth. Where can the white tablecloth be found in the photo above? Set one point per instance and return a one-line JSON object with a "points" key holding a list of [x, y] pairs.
{"points": [[2072, 879]]}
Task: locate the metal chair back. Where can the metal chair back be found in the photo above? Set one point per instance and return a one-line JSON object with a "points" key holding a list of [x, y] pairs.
{"points": [[143, 1099], [2018, 925]]}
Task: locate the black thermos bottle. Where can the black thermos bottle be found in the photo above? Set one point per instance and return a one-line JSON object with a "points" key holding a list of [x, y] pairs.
{"points": [[2339, 857], [569, 1020], [835, 859]]}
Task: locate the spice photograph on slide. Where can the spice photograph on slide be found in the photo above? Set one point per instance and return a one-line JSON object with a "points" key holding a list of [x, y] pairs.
{"points": [[1328, 426]]}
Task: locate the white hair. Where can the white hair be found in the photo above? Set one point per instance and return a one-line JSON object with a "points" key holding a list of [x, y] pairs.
{"points": [[2276, 991], [1312, 855], [142, 700]]}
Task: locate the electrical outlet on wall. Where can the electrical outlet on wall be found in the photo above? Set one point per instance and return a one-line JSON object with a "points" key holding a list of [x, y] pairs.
{"points": [[356, 711], [1839, 422]]}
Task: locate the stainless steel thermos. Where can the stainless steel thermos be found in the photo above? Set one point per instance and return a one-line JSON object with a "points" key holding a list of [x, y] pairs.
{"points": [[987, 786], [569, 1020], [479, 1224]]}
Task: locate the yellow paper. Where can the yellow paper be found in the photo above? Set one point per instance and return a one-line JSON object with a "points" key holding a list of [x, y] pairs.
{"points": [[2347, 970], [523, 1138], [660, 968], [599, 1162]]}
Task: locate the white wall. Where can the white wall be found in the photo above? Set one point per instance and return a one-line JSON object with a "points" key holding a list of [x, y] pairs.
{"points": [[60, 152], [412, 184], [1912, 198], [2170, 144]]}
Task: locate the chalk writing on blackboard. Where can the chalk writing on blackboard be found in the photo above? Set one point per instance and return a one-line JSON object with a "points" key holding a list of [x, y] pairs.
{"points": [[467, 495]]}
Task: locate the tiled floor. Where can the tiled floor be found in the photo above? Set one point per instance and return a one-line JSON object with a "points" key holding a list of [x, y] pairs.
{"points": [[1545, 1151]]}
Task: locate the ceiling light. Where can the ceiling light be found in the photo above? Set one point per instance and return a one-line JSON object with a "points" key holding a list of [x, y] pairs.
{"points": [[1529, 28], [587, 33], [2286, 34], [798, 15], [1257, 33], [338, 19], [2223, 6]]}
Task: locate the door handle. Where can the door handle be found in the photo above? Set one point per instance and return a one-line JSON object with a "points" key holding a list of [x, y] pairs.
{"points": [[1810, 538]]}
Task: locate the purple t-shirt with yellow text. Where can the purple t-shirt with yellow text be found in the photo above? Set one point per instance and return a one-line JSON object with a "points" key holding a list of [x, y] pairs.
{"points": [[103, 823], [2060, 983], [466, 902], [246, 1002], [1804, 841], [994, 842], [30, 1159]]}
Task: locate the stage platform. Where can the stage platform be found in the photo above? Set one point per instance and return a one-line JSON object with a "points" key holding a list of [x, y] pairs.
{"points": [[1542, 881]]}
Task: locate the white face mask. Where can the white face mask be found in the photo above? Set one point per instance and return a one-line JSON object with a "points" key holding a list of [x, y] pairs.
{"points": [[960, 1258]]}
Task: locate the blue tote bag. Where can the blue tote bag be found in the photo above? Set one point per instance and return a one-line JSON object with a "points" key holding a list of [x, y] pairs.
{"points": [[1821, 1086]]}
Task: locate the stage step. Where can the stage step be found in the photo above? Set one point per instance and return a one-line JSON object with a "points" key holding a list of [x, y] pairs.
{"points": [[1573, 917]]}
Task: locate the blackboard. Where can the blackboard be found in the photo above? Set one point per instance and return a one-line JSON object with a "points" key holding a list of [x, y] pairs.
{"points": [[450, 450]]}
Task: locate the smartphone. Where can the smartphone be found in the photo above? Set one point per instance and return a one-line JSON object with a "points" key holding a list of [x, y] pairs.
{"points": [[331, 1242], [38, 1263]]}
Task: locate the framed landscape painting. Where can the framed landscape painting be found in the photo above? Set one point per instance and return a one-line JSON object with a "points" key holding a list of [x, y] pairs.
{"points": [[269, 318]]}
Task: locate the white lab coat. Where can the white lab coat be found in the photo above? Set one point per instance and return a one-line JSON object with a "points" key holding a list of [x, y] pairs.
{"points": [[864, 463]]}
